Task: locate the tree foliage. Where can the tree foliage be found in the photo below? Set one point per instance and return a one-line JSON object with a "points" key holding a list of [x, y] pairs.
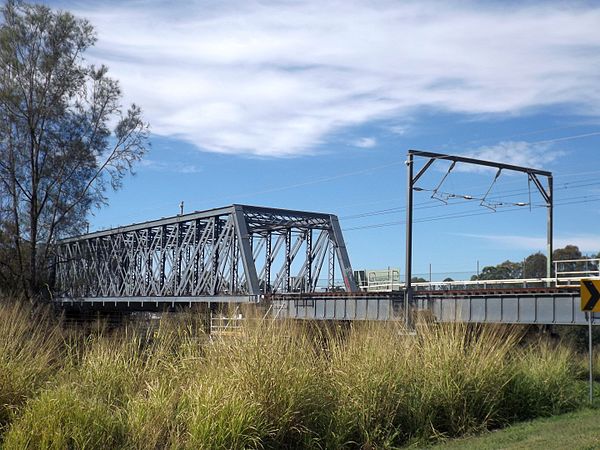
{"points": [[567, 252], [535, 266], [418, 280], [58, 153], [503, 271]]}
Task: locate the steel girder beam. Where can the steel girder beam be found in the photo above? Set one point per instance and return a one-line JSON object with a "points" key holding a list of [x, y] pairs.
{"points": [[231, 251]]}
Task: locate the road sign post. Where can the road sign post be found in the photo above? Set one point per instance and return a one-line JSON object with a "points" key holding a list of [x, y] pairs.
{"points": [[591, 357], [590, 303]]}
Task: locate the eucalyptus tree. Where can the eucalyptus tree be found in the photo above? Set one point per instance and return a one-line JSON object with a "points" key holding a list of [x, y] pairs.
{"points": [[65, 138]]}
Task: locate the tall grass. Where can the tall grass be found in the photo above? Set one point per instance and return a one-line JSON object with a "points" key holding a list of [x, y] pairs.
{"points": [[31, 350], [286, 385], [542, 384], [447, 381]]}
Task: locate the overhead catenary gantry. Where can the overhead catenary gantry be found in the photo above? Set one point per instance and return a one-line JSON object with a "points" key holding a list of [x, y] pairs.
{"points": [[533, 175], [225, 254]]}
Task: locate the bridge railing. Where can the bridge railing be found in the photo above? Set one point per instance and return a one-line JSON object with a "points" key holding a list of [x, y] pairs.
{"points": [[482, 284], [568, 272], [464, 285]]}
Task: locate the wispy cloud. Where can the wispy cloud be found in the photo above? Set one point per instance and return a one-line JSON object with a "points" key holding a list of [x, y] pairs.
{"points": [[518, 153], [586, 243], [398, 129], [278, 78], [169, 166], [365, 142]]}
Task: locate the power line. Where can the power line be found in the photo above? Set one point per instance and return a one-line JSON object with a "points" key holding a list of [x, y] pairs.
{"points": [[361, 171], [577, 200], [567, 138], [556, 186], [528, 133], [383, 166], [498, 196]]}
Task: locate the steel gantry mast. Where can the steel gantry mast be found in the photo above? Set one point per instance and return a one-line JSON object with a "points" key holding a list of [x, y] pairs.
{"points": [[533, 175]]}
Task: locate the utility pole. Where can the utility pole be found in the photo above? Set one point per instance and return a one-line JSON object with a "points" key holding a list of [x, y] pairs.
{"points": [[549, 234], [409, 223], [590, 318]]}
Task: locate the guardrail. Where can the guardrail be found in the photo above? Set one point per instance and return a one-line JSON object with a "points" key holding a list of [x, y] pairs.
{"points": [[466, 285], [570, 271], [567, 272]]}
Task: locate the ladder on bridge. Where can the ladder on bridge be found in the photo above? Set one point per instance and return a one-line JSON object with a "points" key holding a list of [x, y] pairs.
{"points": [[229, 325]]}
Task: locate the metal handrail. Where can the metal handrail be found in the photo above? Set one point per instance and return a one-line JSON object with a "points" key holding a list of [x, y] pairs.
{"points": [[475, 283], [575, 260]]}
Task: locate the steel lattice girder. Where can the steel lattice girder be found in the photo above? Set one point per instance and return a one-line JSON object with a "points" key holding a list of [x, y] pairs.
{"points": [[236, 250]]}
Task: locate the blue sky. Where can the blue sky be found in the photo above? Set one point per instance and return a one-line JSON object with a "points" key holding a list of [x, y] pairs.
{"points": [[313, 105]]}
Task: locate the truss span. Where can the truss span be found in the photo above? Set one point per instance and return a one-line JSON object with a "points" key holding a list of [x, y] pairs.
{"points": [[234, 251]]}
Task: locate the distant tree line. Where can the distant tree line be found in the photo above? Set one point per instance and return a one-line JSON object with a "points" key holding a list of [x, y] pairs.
{"points": [[534, 266]]}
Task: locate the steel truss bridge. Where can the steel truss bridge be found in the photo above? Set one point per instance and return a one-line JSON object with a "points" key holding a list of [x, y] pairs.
{"points": [[231, 254]]}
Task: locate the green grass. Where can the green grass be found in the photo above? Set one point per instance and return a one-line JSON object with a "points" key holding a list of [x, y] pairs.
{"points": [[576, 430], [275, 384]]}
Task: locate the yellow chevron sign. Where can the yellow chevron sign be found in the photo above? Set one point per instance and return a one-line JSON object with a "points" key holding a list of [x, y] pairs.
{"points": [[590, 295]]}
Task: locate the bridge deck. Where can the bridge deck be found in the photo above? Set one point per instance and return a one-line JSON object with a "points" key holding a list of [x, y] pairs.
{"points": [[496, 303]]}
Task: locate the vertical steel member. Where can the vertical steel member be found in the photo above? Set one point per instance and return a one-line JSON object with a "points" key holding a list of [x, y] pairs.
{"points": [[591, 352], [409, 218], [550, 203]]}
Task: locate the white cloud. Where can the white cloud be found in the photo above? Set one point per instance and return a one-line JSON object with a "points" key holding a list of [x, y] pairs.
{"points": [[518, 153], [586, 243], [277, 78], [398, 129], [365, 142], [169, 166]]}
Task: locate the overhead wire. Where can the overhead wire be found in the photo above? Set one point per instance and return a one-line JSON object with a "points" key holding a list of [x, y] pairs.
{"points": [[437, 188], [572, 201], [556, 186], [395, 163], [499, 195], [372, 168]]}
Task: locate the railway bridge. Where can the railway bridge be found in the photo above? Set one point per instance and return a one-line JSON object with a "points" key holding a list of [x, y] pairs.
{"points": [[293, 263], [276, 258]]}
